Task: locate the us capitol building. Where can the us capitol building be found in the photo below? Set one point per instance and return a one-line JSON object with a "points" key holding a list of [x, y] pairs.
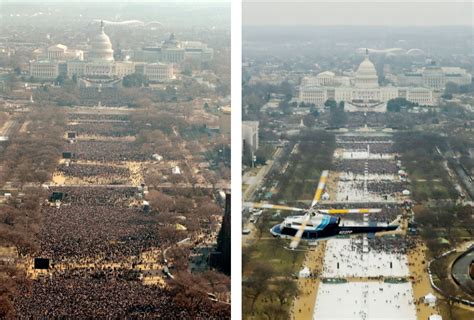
{"points": [[98, 63], [362, 90]]}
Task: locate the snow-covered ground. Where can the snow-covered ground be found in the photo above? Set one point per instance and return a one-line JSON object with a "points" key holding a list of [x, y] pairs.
{"points": [[354, 264], [365, 300]]}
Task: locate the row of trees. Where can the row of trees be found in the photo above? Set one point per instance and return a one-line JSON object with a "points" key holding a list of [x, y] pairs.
{"points": [[31, 156], [279, 292]]}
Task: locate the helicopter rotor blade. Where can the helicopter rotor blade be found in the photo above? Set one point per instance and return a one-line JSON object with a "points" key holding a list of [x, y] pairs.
{"points": [[270, 206], [345, 211], [297, 238], [320, 188]]}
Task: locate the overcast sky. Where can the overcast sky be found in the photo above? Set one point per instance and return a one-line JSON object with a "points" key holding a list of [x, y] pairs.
{"points": [[116, 1], [357, 13]]}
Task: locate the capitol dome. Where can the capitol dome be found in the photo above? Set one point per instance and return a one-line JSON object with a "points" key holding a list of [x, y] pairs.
{"points": [[101, 47], [366, 75]]}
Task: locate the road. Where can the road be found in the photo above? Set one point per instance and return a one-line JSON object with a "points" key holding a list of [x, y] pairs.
{"points": [[258, 179]]}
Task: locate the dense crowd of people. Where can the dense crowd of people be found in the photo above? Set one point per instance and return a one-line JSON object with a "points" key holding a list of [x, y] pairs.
{"points": [[99, 173], [99, 116], [110, 196], [105, 151], [97, 232], [397, 245], [79, 294], [386, 187], [116, 129]]}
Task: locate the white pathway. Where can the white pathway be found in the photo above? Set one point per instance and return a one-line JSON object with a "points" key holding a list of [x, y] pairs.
{"points": [[353, 154], [365, 300], [354, 264], [353, 190]]}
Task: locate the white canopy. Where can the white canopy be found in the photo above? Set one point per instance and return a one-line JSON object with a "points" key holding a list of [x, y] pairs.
{"points": [[157, 157], [435, 317], [430, 298], [304, 273], [176, 170]]}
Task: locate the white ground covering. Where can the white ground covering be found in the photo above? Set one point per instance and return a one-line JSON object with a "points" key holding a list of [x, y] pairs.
{"points": [[348, 154], [353, 191], [370, 176], [364, 300], [353, 264]]}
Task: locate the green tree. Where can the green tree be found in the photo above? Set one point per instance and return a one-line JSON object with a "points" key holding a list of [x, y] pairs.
{"points": [[330, 103], [287, 289], [60, 79], [135, 80], [259, 281], [337, 116], [395, 105], [451, 88], [309, 120]]}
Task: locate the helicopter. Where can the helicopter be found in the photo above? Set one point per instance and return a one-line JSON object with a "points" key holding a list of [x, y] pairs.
{"points": [[317, 224]]}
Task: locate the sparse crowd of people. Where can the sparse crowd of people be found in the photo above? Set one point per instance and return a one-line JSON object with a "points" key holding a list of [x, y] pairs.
{"points": [[358, 166]]}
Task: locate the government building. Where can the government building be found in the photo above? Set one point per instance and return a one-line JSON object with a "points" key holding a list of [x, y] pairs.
{"points": [[96, 64], [173, 51], [434, 76], [360, 91]]}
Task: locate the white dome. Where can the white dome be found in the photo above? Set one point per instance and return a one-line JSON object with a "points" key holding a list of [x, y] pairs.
{"points": [[101, 47], [366, 75], [326, 74], [366, 68]]}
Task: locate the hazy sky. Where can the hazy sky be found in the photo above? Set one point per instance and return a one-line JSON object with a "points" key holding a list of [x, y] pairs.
{"points": [[353, 12], [116, 1]]}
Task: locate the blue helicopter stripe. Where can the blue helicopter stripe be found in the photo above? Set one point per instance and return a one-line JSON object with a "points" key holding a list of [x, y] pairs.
{"points": [[323, 223]]}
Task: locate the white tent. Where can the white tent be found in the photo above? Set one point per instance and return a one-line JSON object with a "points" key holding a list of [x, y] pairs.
{"points": [[406, 192], [435, 317], [430, 299], [157, 157], [304, 273], [176, 170]]}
